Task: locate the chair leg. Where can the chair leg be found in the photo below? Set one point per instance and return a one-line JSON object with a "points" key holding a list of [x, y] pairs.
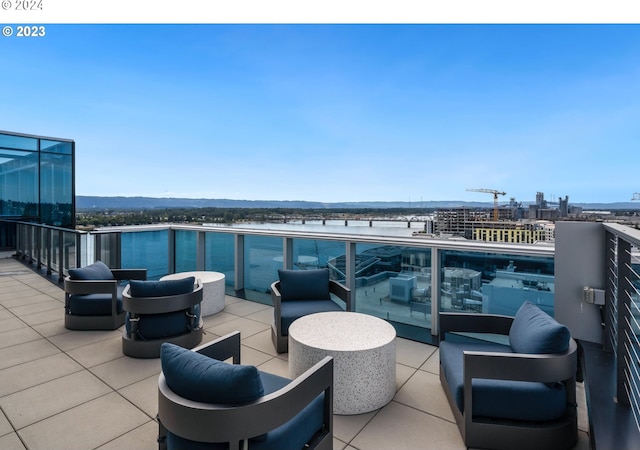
{"points": [[162, 435]]}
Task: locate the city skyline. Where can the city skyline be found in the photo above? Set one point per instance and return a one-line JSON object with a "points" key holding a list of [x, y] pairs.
{"points": [[335, 113]]}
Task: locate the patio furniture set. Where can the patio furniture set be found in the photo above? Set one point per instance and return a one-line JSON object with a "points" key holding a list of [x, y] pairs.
{"points": [[519, 394]]}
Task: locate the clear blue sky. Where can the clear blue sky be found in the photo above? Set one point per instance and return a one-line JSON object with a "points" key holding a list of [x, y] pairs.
{"points": [[335, 112]]}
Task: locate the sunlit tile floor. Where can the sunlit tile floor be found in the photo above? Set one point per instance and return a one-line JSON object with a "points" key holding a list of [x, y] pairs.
{"points": [[66, 390]]}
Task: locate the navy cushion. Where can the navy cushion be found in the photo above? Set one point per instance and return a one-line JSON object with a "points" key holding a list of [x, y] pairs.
{"points": [[501, 399], [304, 284], [96, 271], [293, 435], [158, 326], [292, 310], [161, 288], [95, 304], [203, 379], [534, 331]]}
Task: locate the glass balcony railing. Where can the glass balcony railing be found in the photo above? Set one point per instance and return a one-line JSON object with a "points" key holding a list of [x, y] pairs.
{"points": [[406, 281]]}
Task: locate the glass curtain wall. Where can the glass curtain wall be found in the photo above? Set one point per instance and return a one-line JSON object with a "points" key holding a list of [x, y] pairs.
{"points": [[36, 179]]}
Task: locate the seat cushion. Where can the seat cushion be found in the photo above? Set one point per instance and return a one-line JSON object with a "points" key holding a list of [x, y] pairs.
{"points": [[292, 310], [293, 435], [96, 271], [139, 288], [158, 326], [534, 331], [501, 399], [203, 379], [94, 304], [304, 284]]}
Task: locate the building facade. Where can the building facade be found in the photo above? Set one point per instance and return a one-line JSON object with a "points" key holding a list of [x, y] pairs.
{"points": [[37, 176]]}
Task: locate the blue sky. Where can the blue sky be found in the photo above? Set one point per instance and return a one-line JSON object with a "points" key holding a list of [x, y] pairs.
{"points": [[335, 112]]}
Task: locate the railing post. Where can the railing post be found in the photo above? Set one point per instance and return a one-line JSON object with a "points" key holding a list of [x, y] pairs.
{"points": [[435, 291], [239, 263], [201, 250], [624, 320], [171, 255], [287, 253], [48, 250], [61, 258], [350, 270]]}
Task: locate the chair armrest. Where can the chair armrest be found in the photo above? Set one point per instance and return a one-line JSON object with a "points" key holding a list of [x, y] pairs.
{"points": [[474, 323], [129, 274], [276, 300], [83, 287], [343, 292], [206, 422], [223, 348], [159, 305]]}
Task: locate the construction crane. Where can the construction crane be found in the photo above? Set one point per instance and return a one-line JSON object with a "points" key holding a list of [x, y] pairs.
{"points": [[495, 199], [636, 196]]}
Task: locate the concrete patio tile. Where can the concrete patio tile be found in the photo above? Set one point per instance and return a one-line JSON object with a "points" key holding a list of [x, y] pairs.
{"points": [[29, 351], [403, 373], [245, 308], [18, 336], [33, 373], [246, 327], [400, 427], [112, 416], [432, 364], [43, 317], [51, 328], [51, 398], [338, 444], [424, 392], [217, 319], [46, 305], [411, 353], [276, 366], [73, 339], [124, 371], [5, 426], [26, 298], [264, 315], [142, 438], [144, 395], [12, 323], [5, 313], [251, 356], [11, 441], [262, 342], [98, 352], [346, 428], [13, 298]]}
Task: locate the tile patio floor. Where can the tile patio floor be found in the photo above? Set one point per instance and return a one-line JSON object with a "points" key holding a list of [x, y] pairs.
{"points": [[65, 390]]}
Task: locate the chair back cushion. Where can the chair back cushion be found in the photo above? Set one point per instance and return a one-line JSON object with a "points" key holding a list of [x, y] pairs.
{"points": [[304, 284], [534, 331], [200, 378], [96, 271], [165, 288]]}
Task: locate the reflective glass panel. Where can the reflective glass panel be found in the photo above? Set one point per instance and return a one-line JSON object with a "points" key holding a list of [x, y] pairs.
{"points": [[146, 250], [186, 242], [220, 255], [495, 283]]}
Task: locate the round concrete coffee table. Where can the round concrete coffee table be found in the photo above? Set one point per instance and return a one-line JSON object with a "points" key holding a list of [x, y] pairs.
{"points": [[212, 289], [363, 348]]}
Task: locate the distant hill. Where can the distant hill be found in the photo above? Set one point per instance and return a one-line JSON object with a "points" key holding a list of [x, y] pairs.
{"points": [[139, 203]]}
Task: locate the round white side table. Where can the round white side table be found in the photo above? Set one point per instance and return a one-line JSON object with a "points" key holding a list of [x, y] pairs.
{"points": [[363, 348]]}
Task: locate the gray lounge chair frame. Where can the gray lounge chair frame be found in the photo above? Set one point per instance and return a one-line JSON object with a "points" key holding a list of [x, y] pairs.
{"points": [[206, 422], [281, 342], [84, 287], [138, 348], [508, 435]]}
